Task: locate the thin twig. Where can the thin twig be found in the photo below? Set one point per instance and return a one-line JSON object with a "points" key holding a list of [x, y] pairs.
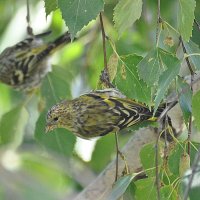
{"points": [[29, 29], [192, 79], [165, 132], [117, 156], [194, 167], [197, 23], [159, 20], [157, 170]]}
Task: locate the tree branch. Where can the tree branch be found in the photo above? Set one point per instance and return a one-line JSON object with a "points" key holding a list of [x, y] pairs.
{"points": [[104, 77], [192, 79]]}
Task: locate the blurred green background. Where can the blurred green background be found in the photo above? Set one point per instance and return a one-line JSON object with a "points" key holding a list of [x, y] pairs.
{"points": [[35, 165]]}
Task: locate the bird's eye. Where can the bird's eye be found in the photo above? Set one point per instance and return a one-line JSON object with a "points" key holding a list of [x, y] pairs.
{"points": [[55, 119]]}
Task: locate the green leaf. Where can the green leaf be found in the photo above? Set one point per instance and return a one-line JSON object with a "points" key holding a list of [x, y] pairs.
{"points": [[50, 5], [196, 109], [173, 67], [40, 166], [168, 192], [147, 156], [56, 86], [186, 18], [193, 48], [5, 100], [120, 186], [128, 81], [176, 153], [59, 140], [185, 98], [12, 126], [126, 12], [107, 143], [174, 158], [152, 65], [130, 192], [145, 189], [78, 14]]}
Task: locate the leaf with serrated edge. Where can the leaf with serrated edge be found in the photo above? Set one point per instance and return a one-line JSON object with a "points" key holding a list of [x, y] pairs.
{"points": [[126, 13], [78, 14], [151, 67], [50, 5], [131, 85], [173, 65], [186, 18]]}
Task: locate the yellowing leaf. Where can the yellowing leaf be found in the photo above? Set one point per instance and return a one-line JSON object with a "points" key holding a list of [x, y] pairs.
{"points": [[123, 71], [184, 163]]}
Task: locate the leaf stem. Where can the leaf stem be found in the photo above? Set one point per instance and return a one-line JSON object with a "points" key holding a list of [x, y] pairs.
{"points": [[29, 28], [159, 21]]}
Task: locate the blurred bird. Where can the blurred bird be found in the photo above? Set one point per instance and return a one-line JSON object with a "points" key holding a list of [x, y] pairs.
{"points": [[25, 64], [98, 113]]}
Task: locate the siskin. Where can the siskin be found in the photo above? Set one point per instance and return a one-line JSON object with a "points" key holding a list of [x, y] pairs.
{"points": [[98, 113], [25, 64]]}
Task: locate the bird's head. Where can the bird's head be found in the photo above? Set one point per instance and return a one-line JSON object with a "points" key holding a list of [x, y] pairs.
{"points": [[59, 116]]}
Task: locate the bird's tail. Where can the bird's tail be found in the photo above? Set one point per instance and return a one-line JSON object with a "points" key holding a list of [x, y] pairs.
{"points": [[53, 46], [160, 109]]}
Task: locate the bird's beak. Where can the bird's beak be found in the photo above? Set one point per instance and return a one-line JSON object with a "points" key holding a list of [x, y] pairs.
{"points": [[49, 127]]}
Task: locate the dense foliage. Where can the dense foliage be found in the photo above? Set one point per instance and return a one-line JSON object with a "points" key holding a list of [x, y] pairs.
{"points": [[148, 59]]}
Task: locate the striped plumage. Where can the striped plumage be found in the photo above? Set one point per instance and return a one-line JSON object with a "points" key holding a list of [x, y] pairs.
{"points": [[98, 113], [25, 64]]}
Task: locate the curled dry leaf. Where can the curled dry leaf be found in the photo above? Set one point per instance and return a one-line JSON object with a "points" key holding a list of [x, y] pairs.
{"points": [[112, 66]]}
